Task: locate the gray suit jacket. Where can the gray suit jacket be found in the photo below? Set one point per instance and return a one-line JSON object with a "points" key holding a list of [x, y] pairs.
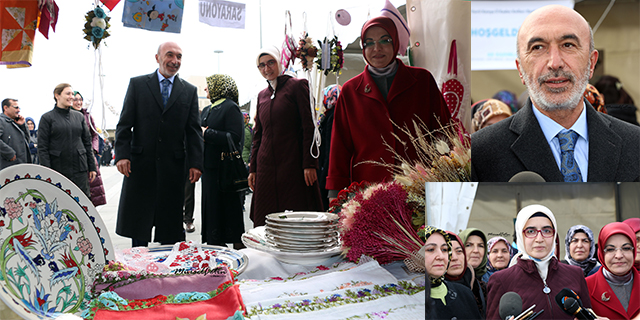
{"points": [[14, 141], [517, 144]]}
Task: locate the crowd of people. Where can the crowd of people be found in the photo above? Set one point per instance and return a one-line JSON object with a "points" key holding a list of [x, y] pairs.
{"points": [[66, 141], [468, 278]]}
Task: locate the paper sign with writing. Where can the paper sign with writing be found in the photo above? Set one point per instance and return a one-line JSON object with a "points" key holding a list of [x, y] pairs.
{"points": [[224, 14]]}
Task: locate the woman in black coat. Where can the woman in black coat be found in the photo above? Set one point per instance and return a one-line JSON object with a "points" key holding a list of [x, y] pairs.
{"points": [[222, 219], [64, 141]]}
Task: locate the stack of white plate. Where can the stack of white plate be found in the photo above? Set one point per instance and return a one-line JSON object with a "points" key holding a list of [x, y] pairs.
{"points": [[302, 231]]}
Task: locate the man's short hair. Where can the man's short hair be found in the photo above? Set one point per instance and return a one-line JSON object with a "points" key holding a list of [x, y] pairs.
{"points": [[7, 103]]}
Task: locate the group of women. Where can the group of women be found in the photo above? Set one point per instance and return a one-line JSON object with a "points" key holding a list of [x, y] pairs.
{"points": [[469, 274]]}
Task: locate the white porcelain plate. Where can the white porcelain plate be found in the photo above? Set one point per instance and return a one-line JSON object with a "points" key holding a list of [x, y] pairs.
{"points": [[283, 238], [301, 227], [309, 218], [315, 234], [255, 239], [53, 242]]}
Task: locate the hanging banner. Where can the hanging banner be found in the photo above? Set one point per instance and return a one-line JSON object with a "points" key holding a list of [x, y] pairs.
{"points": [[494, 26], [152, 15], [18, 21], [224, 14]]}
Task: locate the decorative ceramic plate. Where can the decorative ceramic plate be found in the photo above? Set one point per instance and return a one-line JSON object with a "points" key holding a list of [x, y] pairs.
{"points": [[304, 248], [310, 218], [53, 243], [255, 239], [232, 258]]}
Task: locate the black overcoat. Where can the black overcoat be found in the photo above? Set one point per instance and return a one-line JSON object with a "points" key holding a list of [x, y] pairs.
{"points": [[156, 140], [64, 145]]}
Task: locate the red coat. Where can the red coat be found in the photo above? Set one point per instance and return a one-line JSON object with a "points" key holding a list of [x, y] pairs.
{"points": [[524, 279], [362, 123], [282, 150], [599, 290]]}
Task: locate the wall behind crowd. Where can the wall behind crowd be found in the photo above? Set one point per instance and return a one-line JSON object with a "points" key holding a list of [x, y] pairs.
{"points": [[617, 36]]}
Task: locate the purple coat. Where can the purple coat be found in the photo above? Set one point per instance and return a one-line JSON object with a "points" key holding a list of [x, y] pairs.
{"points": [[524, 279], [281, 151], [98, 196]]}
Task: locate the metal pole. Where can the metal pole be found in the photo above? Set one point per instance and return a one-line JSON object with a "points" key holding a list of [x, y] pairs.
{"points": [[218, 52]]}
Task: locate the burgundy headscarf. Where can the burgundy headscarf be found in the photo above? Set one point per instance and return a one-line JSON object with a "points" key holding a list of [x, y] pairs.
{"points": [[455, 237], [388, 26], [610, 229]]}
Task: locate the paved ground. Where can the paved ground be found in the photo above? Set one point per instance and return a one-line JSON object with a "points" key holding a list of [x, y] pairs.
{"points": [[112, 180]]}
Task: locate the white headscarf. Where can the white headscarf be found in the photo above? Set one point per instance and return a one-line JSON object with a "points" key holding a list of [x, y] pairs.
{"points": [[523, 216], [272, 51]]}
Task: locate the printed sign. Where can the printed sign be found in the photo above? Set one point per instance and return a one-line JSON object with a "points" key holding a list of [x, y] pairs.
{"points": [[222, 14], [151, 15]]}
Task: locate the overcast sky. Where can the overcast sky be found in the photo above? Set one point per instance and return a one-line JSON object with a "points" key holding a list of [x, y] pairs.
{"points": [[67, 57]]}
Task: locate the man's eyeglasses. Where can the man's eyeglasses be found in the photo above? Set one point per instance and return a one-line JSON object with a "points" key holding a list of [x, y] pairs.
{"points": [[271, 63], [531, 232], [382, 42], [16, 107], [611, 250]]}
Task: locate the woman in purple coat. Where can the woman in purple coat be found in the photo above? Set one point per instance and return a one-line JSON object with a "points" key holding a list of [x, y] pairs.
{"points": [[282, 173], [537, 276]]}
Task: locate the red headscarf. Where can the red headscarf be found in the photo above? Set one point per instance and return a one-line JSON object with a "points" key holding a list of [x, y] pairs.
{"points": [[455, 237], [634, 223], [609, 230], [388, 26]]}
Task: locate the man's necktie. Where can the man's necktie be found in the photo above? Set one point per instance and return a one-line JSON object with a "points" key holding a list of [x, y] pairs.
{"points": [[165, 91], [569, 166]]}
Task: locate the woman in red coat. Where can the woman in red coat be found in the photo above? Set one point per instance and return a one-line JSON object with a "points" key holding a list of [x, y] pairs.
{"points": [[615, 288], [282, 173], [376, 105]]}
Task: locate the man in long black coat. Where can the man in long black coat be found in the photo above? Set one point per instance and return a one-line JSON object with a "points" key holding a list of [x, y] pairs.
{"points": [[159, 126]]}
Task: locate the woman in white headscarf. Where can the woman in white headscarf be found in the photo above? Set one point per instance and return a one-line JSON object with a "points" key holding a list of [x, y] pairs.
{"points": [[537, 276], [282, 173]]}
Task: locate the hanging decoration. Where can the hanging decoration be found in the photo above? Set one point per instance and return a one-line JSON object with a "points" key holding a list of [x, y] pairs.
{"points": [[95, 28], [48, 17], [306, 51], [165, 16], [110, 3], [330, 57], [287, 58]]}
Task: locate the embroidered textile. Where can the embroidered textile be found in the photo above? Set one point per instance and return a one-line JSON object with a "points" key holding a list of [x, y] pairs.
{"points": [[18, 21], [153, 15]]}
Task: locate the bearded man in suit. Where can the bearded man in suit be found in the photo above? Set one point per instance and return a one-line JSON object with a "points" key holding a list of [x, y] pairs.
{"points": [[158, 137], [558, 134]]}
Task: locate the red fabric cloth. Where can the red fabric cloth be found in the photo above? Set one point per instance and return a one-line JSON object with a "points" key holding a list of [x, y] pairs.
{"points": [[363, 118], [524, 279], [634, 223], [386, 24], [605, 303], [110, 3], [222, 306], [48, 17]]}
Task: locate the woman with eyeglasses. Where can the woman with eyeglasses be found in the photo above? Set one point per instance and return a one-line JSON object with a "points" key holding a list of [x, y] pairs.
{"points": [[615, 288], [447, 299], [283, 172], [537, 276], [580, 249], [376, 107], [64, 141]]}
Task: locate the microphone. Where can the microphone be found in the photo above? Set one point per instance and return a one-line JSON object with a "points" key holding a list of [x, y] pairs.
{"points": [[527, 176], [510, 305], [572, 307]]}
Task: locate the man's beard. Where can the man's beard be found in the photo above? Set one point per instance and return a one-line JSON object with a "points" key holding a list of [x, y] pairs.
{"points": [[540, 96]]}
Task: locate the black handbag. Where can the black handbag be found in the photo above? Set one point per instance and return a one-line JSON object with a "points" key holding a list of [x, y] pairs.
{"points": [[233, 175]]}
